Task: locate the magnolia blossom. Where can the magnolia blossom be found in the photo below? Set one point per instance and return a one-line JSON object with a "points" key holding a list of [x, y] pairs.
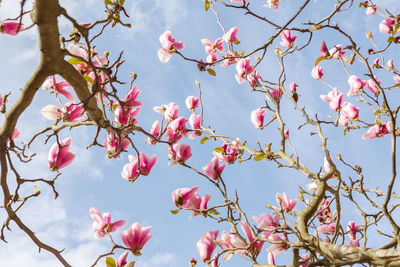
{"points": [[316, 72], [135, 237], [356, 84], [169, 46], [60, 156], [352, 229], [176, 130], [396, 79], [155, 131], [370, 10], [267, 223], [179, 153], [102, 223], [253, 77], [51, 112], [324, 49], [131, 170], [271, 259], [276, 93], [187, 198], [10, 27], [286, 204], [212, 58], [115, 144], [16, 133], [390, 64], [130, 98], [377, 131], [372, 86], [230, 36], [337, 52], [213, 169], [192, 102], [286, 133], [73, 112], [229, 60], [272, 3], [207, 245], [171, 112], [195, 124], [211, 47], [287, 39], [334, 98], [57, 87], [293, 87], [327, 228], [278, 244], [243, 69], [257, 246], [229, 152], [257, 117], [122, 259], [348, 113], [125, 116], [387, 25]]}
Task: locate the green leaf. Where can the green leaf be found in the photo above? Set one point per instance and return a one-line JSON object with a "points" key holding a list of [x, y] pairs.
{"points": [[211, 72], [204, 139], [108, 2], [206, 5], [259, 156], [390, 39], [88, 78], [213, 211], [345, 132], [237, 42], [110, 262], [121, 2], [218, 150], [396, 28], [175, 211], [318, 60], [377, 112], [75, 61], [397, 85]]}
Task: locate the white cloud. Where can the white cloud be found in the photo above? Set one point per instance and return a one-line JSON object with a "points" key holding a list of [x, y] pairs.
{"points": [[160, 259]]}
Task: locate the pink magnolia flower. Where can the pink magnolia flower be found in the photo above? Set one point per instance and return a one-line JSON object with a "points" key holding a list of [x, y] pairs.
{"points": [[376, 63], [155, 131], [370, 10], [169, 46], [230, 36], [212, 58], [348, 113], [1, 101], [213, 170], [252, 78], [286, 204], [305, 260], [271, 259], [58, 87], [337, 52], [59, 155], [182, 197], [16, 133], [334, 98], [131, 170], [243, 69], [327, 228], [352, 229], [207, 245], [293, 87], [102, 223], [257, 246], [179, 153], [324, 49], [272, 3], [192, 102], [377, 131], [257, 117], [316, 72], [11, 27], [171, 112], [195, 124], [146, 164], [135, 237], [229, 60], [126, 116], [73, 112], [390, 64], [276, 93], [278, 244], [356, 84], [396, 79], [387, 25], [287, 39], [177, 129], [122, 259], [267, 223], [355, 243], [286, 133], [51, 112], [130, 98], [115, 144], [372, 86], [212, 48], [312, 186], [229, 152]]}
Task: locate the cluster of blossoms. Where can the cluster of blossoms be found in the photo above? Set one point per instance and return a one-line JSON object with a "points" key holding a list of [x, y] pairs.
{"points": [[134, 238]]}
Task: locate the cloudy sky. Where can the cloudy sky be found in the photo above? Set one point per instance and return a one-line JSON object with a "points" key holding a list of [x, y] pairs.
{"points": [[94, 180]]}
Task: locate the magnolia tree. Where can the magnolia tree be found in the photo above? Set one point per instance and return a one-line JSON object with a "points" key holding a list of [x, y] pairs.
{"points": [[89, 92]]}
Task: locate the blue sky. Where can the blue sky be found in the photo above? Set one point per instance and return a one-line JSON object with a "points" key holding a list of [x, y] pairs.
{"points": [[94, 180]]}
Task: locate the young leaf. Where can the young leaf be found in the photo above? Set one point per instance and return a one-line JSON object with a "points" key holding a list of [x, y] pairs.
{"points": [[110, 262], [206, 5], [213, 211], [75, 61], [318, 60], [259, 156], [175, 211], [88, 78], [211, 72], [204, 139], [218, 150]]}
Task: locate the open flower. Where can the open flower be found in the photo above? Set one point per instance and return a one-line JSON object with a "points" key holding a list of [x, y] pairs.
{"points": [[59, 155], [230, 36], [387, 25], [287, 39], [57, 87], [207, 245], [102, 223], [169, 46], [317, 73], [211, 47], [334, 98], [179, 153], [257, 117], [286, 204], [135, 237], [243, 69], [213, 169]]}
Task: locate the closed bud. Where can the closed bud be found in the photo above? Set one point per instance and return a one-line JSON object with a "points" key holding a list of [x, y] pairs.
{"points": [[369, 35]]}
